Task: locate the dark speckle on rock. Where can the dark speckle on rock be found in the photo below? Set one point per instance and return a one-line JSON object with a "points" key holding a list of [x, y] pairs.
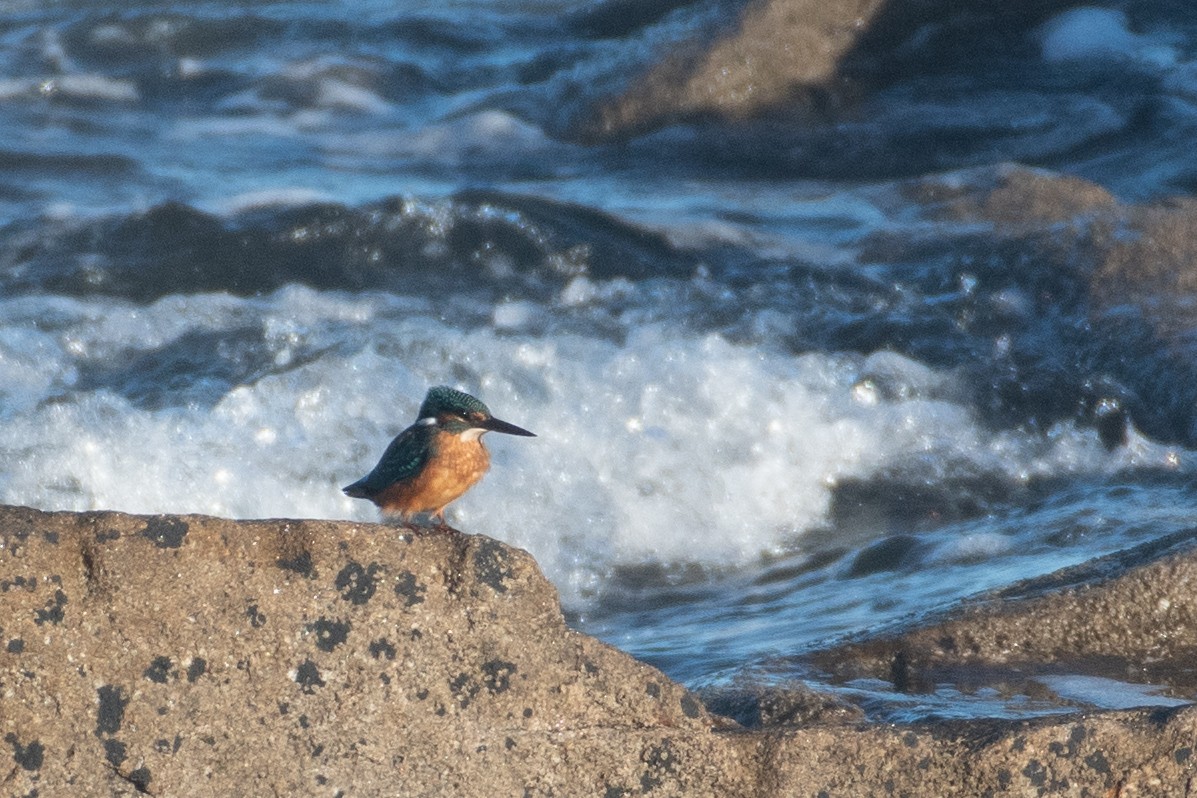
{"points": [[196, 669], [307, 675], [409, 589], [166, 533], [329, 633], [1069, 749], [1035, 773], [54, 612], [164, 746], [464, 688], [16, 646], [115, 752], [691, 708], [1159, 717], [653, 689], [356, 583], [111, 712], [301, 564], [28, 757], [497, 675], [140, 779], [660, 763], [1182, 755], [257, 619], [382, 648], [1097, 760], [50, 537], [159, 670], [492, 561]]}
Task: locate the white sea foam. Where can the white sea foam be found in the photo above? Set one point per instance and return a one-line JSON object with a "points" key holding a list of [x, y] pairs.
{"points": [[662, 446], [82, 86], [270, 198], [484, 134]]}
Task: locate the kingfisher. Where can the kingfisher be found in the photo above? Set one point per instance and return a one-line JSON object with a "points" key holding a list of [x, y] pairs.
{"points": [[435, 460]]}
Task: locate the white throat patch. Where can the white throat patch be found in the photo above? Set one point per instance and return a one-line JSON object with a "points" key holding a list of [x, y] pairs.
{"points": [[472, 434]]}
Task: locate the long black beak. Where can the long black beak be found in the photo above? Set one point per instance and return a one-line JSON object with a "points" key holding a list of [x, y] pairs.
{"points": [[495, 425]]}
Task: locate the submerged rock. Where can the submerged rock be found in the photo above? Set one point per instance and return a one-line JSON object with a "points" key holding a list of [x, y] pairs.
{"points": [[794, 57], [195, 656], [1130, 615]]}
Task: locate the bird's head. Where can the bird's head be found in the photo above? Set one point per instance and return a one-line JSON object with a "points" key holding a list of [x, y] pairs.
{"points": [[459, 413]]}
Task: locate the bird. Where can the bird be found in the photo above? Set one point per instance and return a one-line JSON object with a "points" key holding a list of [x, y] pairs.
{"points": [[435, 460]]}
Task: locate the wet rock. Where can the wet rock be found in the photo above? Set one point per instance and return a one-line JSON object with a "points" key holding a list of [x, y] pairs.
{"points": [[1140, 254], [1047, 256], [1146, 257], [1130, 616], [793, 705], [795, 56], [1013, 197], [434, 664]]}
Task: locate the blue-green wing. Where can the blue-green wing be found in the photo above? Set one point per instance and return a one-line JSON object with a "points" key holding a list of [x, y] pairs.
{"points": [[402, 460]]}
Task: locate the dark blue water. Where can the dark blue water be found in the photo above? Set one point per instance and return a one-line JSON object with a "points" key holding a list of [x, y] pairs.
{"points": [[796, 374]]}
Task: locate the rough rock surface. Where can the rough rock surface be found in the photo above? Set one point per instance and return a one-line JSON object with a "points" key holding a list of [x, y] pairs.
{"points": [[194, 656]]}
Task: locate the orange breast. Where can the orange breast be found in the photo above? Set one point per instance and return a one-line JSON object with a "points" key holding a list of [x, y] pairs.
{"points": [[455, 465]]}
